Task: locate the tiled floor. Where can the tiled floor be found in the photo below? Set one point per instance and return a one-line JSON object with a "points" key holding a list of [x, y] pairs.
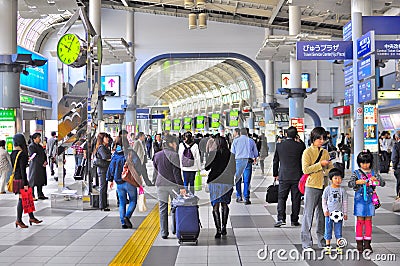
{"points": [[92, 237]]}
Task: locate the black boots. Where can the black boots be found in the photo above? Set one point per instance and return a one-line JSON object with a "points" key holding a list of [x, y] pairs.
{"points": [[360, 246], [217, 221], [367, 245], [225, 214]]}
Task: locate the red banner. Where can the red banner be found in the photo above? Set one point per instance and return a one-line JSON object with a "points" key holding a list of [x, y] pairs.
{"points": [[298, 123], [341, 110]]}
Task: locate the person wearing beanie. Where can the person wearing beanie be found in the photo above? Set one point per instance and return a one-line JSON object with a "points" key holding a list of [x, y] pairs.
{"points": [[20, 174]]}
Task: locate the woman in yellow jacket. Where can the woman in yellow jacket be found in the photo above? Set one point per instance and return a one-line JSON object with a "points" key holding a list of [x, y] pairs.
{"points": [[315, 185]]}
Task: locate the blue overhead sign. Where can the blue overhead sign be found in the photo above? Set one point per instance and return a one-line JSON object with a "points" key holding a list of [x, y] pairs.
{"points": [[348, 75], [366, 44], [324, 50], [382, 25], [157, 116], [366, 91], [142, 113], [387, 49], [365, 68], [349, 96], [347, 31], [38, 76]]}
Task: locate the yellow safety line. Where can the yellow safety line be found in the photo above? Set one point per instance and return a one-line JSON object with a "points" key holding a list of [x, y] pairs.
{"points": [[135, 250]]}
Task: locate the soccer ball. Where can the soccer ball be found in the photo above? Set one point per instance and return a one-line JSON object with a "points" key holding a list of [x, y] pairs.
{"points": [[336, 216]]}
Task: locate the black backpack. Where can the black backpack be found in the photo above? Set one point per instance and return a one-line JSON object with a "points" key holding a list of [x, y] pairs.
{"points": [[187, 157]]}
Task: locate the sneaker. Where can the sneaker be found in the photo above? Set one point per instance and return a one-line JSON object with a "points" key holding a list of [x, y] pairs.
{"points": [[296, 224], [247, 202], [128, 222], [124, 226], [239, 200], [279, 223], [164, 237], [339, 251], [328, 250]]}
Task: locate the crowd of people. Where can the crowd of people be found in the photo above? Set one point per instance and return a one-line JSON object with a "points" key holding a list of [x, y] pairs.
{"points": [[229, 161]]}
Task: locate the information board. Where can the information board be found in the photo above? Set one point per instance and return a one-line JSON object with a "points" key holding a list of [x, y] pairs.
{"points": [[366, 91], [324, 50], [187, 123], [366, 68], [167, 124], [215, 120], [371, 127]]}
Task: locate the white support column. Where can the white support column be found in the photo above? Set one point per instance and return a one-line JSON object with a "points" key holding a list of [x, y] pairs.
{"points": [[95, 20], [359, 8], [130, 73], [9, 80], [269, 112], [296, 102]]}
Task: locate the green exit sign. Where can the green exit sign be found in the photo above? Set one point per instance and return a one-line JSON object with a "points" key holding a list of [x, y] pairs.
{"points": [[7, 115]]}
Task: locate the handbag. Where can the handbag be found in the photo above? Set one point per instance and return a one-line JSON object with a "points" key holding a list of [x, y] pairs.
{"points": [[272, 193], [304, 177], [396, 204], [27, 200], [10, 184], [130, 175], [141, 200]]}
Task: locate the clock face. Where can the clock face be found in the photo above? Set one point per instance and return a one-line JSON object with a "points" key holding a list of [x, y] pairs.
{"points": [[68, 48]]}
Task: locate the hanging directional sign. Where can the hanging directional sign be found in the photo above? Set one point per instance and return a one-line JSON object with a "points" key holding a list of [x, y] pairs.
{"points": [[387, 49], [366, 91], [110, 83], [348, 75], [366, 44], [366, 67], [285, 77], [324, 50], [347, 31], [142, 113], [349, 95], [285, 80]]}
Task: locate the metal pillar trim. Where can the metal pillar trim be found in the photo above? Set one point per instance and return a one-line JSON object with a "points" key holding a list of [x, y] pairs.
{"points": [[296, 102], [130, 118]]}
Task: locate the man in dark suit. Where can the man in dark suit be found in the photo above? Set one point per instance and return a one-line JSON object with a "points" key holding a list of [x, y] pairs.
{"points": [[287, 162]]}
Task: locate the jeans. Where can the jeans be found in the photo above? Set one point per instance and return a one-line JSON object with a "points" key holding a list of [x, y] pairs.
{"points": [[284, 188], [123, 190], [329, 224], [240, 167], [188, 179], [78, 160], [312, 204], [163, 193], [243, 168]]}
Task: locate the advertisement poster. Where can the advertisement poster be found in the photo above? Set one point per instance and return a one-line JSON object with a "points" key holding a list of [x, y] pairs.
{"points": [[167, 124], [298, 123], [177, 124], [371, 127], [187, 123], [215, 120], [234, 118], [200, 122]]}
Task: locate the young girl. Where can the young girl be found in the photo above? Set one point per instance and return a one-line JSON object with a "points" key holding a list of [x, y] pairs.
{"points": [[364, 182]]}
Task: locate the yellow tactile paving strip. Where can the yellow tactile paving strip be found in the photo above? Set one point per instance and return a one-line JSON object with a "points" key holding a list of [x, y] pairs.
{"points": [[135, 250]]}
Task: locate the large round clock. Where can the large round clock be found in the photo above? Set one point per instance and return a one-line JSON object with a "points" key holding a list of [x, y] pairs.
{"points": [[69, 48]]}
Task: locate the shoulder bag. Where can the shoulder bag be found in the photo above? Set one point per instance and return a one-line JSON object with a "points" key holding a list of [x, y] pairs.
{"points": [[304, 177], [10, 184], [130, 175]]}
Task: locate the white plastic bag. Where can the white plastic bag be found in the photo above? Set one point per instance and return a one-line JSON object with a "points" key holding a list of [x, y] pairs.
{"points": [[141, 203]]}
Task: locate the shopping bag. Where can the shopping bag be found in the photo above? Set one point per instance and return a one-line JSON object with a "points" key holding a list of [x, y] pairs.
{"points": [[27, 200], [141, 200], [198, 181], [396, 205]]}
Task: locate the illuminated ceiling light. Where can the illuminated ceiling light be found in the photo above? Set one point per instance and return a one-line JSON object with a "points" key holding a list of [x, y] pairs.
{"points": [[189, 3], [124, 3], [202, 21], [192, 21], [201, 4]]}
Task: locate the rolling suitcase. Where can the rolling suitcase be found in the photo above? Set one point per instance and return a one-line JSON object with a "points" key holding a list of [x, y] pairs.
{"points": [[78, 175], [185, 218]]}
